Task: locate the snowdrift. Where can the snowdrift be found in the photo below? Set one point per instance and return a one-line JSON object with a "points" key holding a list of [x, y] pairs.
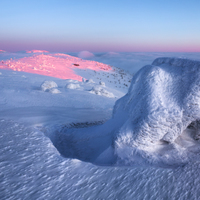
{"points": [[162, 101]]}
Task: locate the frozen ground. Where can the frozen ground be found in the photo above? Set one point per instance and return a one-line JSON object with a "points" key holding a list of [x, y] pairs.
{"points": [[57, 140]]}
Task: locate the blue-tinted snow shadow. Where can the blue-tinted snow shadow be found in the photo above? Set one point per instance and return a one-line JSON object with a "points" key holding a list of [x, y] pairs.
{"points": [[89, 142]]}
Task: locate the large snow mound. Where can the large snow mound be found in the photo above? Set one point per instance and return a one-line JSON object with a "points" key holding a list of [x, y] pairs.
{"points": [[162, 101]]}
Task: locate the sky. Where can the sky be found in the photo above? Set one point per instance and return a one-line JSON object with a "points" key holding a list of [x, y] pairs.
{"points": [[100, 26]]}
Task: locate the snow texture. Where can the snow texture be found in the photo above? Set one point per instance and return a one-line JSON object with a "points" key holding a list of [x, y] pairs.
{"points": [[83, 80], [101, 91], [162, 101], [73, 86], [54, 146], [31, 168], [102, 83], [47, 85], [90, 81], [54, 91]]}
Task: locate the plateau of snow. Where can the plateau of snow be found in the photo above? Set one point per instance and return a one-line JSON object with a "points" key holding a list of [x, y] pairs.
{"points": [[61, 138]]}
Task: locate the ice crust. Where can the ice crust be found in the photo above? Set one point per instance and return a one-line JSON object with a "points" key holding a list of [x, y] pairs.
{"points": [[163, 99]]}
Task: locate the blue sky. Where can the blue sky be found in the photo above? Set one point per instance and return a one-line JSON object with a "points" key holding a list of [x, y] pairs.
{"points": [[104, 25]]}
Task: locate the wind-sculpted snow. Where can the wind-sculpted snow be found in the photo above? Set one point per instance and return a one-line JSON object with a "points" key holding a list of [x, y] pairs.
{"points": [[162, 101], [31, 168]]}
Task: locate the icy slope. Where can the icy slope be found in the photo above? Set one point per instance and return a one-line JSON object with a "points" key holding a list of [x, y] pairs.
{"points": [[162, 101]]}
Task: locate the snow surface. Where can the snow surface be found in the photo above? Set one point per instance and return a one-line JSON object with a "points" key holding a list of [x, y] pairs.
{"points": [[101, 91], [73, 86], [48, 85], [68, 145]]}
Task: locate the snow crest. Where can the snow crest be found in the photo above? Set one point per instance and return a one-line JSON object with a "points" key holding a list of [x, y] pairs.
{"points": [[162, 101]]}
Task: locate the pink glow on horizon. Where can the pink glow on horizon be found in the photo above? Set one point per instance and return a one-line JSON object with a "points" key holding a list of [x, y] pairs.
{"points": [[56, 65], [37, 51], [128, 46]]}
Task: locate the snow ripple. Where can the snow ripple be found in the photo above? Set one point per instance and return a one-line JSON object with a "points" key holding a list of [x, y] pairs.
{"points": [[31, 168]]}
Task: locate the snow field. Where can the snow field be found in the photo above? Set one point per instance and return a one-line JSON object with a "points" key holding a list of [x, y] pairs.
{"points": [[32, 168], [67, 146]]}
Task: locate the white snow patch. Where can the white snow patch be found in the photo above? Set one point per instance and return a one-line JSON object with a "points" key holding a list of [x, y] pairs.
{"points": [[54, 91], [48, 85], [100, 91], [73, 86]]}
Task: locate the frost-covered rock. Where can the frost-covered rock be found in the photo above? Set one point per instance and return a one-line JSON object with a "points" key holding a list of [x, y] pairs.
{"points": [[162, 101], [102, 83], [90, 81], [100, 91], [83, 80], [54, 91], [48, 85], [73, 86]]}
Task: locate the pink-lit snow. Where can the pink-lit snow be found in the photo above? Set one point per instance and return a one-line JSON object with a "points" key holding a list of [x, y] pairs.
{"points": [[56, 65]]}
